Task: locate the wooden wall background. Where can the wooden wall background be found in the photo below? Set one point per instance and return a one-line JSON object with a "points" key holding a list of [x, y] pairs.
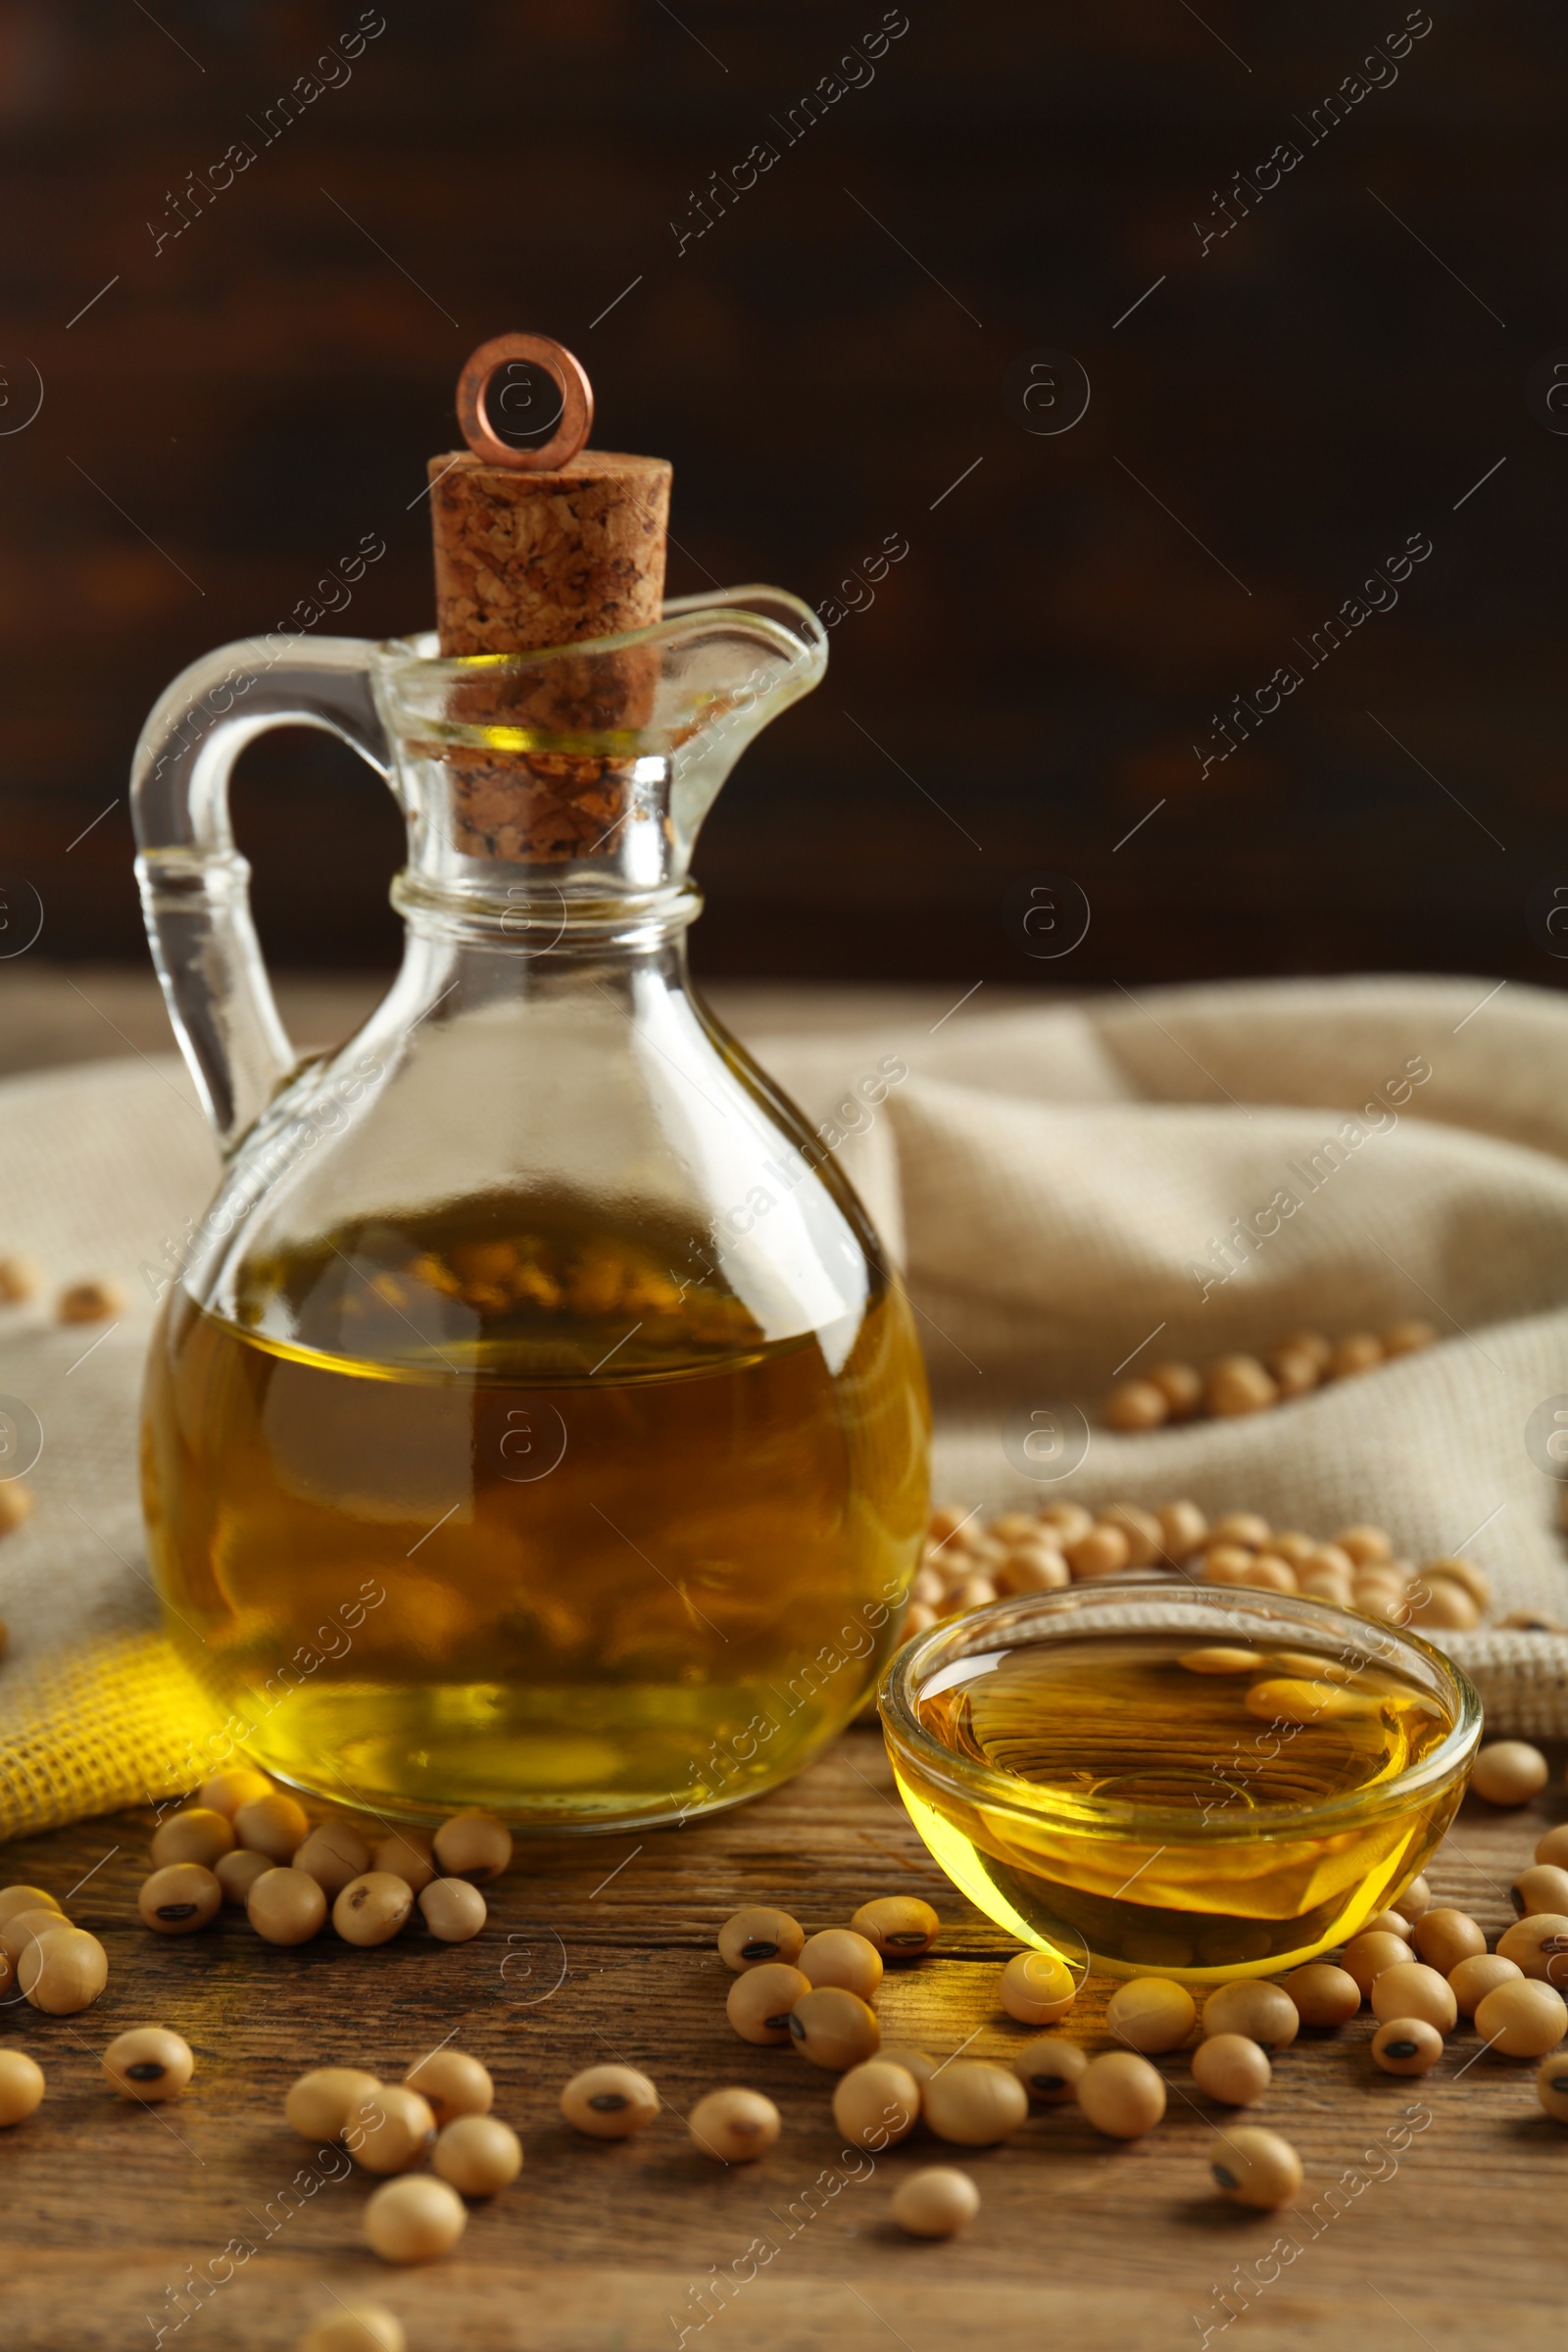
{"points": [[236, 407]]}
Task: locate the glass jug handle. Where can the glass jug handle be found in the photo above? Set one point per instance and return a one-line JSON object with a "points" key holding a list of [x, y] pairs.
{"points": [[195, 886]]}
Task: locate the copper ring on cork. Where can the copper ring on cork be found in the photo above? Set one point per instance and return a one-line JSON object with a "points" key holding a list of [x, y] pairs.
{"points": [[576, 401]]}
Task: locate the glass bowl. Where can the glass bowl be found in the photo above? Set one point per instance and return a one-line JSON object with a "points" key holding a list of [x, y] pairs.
{"points": [[1100, 1778]]}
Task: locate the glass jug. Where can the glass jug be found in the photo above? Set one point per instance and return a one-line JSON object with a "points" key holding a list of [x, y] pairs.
{"points": [[535, 1422]]}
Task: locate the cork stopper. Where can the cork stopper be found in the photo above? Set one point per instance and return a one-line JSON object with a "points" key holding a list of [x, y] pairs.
{"points": [[527, 560], [538, 547]]}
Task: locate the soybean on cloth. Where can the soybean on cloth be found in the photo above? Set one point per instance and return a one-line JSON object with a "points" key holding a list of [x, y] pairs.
{"points": [[1067, 1186]]}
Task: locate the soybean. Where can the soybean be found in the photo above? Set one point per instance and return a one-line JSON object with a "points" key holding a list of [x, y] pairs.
{"points": [[372, 1909], [1509, 1772], [1443, 1604], [196, 1833], [318, 2105], [286, 1906], [1552, 2089], [64, 1973], [914, 2062], [755, 1936], [21, 2088], [1473, 1978], [1358, 1352], [407, 1854], [415, 2221], [1121, 2095], [453, 1910], [1238, 1384], [478, 2154], [273, 1824], [840, 1956], [237, 1872], [179, 1900], [1416, 1898], [25, 1898], [91, 1302], [1412, 1990], [334, 1855], [1324, 1996], [834, 2028], [877, 2104], [937, 2201], [760, 2001], [1543, 1887], [610, 2102], [1523, 2020], [1033, 1568], [1366, 1955], [357, 2328], [1445, 1936], [1151, 2014], [1101, 1552], [1265, 2013], [975, 2103], [1182, 1386], [975, 1593], [477, 1846], [26, 1927], [391, 2128], [900, 1926], [1553, 1847], [1232, 1942], [1037, 1988], [149, 2063], [1406, 2045], [1049, 2070], [1366, 1546], [1231, 2067], [225, 1791], [19, 1279], [1319, 1700], [1134, 1404], [1145, 1538], [452, 2084], [1227, 1564], [1388, 1923], [734, 2125], [1540, 1944], [1461, 1572], [1182, 1524], [1295, 1372], [1258, 2167], [1220, 1661]]}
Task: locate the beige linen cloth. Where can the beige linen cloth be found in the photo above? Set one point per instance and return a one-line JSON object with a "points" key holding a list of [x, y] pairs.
{"points": [[1067, 1186]]}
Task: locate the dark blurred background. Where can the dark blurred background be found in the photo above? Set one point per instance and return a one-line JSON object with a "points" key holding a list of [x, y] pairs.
{"points": [[1288, 382]]}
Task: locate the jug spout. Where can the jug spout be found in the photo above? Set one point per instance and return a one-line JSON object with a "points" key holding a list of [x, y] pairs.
{"points": [[587, 769], [769, 650]]}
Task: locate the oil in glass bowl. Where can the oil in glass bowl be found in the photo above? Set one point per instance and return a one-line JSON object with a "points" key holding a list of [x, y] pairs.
{"points": [[1150, 1779]]}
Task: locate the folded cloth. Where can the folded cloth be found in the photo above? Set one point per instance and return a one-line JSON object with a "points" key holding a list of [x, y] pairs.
{"points": [[1072, 1189]]}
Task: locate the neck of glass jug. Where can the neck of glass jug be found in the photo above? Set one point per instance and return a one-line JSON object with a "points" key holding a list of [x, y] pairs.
{"points": [[521, 916], [542, 856]]}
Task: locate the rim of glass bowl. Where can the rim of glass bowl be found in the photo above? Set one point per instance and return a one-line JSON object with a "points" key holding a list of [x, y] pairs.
{"points": [[1157, 1604]]}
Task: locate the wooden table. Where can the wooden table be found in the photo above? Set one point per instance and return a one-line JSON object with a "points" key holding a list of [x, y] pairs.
{"points": [[604, 1949]]}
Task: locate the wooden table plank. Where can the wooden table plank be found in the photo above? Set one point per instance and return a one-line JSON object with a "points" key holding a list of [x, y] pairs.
{"points": [[106, 2211]]}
